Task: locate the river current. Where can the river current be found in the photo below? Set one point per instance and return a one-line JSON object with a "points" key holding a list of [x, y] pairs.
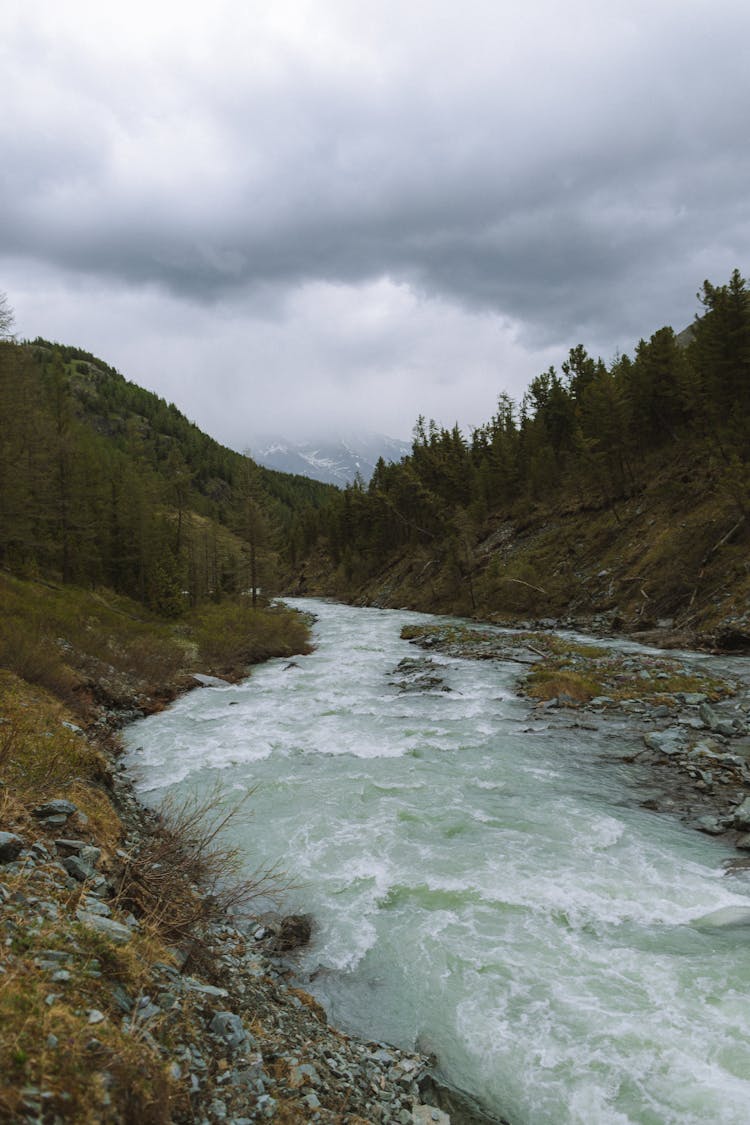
{"points": [[484, 885]]}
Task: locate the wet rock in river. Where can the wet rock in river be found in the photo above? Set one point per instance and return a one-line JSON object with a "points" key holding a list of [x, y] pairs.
{"points": [[294, 931], [418, 674]]}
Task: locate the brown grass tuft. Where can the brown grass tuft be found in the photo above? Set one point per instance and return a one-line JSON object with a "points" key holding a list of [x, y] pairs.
{"points": [[184, 876]]}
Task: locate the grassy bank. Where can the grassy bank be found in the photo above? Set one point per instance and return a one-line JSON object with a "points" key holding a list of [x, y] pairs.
{"points": [[90, 647], [72, 1046]]}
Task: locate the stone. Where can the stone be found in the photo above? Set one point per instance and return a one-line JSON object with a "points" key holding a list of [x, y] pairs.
{"points": [[708, 715], [95, 906], [107, 926], [670, 741], [429, 1115], [741, 816], [11, 846], [56, 808], [266, 1106], [294, 931], [78, 868], [229, 1027], [193, 985], [709, 824]]}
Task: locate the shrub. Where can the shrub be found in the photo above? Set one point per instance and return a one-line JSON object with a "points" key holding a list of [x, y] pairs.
{"points": [[185, 875]]}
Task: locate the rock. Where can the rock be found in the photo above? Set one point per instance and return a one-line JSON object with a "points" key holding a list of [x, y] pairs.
{"points": [[294, 931], [741, 816], [229, 1027], [107, 926], [708, 716], [56, 808], [69, 847], [266, 1106], [193, 985], [733, 640], [670, 741], [11, 846], [709, 824], [429, 1115], [79, 869], [94, 906]]}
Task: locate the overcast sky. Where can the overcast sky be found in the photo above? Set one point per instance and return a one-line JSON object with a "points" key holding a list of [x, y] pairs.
{"points": [[302, 214]]}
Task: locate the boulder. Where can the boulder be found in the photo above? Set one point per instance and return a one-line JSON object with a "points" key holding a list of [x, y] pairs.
{"points": [[228, 1027], [708, 716], [294, 931], [10, 846], [741, 816], [56, 808], [107, 926], [670, 741]]}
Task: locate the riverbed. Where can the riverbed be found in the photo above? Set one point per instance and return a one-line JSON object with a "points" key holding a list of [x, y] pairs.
{"points": [[489, 890]]}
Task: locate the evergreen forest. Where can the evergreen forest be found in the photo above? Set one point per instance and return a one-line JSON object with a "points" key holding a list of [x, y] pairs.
{"points": [[528, 511], [105, 484]]}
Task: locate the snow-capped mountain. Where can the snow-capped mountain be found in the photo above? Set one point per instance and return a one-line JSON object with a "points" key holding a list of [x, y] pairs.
{"points": [[335, 459]]}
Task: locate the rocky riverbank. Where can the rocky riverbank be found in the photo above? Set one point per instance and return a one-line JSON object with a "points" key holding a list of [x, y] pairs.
{"points": [[693, 725], [125, 992]]}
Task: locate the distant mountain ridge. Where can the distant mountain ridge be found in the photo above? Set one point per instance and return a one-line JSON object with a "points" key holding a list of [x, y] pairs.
{"points": [[336, 459]]}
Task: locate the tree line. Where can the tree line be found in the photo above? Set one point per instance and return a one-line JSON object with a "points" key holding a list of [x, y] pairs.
{"points": [[104, 483], [588, 434]]}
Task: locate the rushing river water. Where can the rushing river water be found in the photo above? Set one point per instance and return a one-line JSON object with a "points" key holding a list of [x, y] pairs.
{"points": [[485, 886]]}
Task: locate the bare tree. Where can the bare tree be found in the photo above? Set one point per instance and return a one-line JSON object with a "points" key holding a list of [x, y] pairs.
{"points": [[7, 319]]}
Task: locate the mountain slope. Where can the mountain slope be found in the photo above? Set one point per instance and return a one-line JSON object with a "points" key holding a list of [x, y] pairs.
{"points": [[337, 459], [620, 490], [104, 483]]}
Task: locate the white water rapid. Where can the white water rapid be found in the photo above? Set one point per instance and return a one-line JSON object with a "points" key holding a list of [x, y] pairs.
{"points": [[484, 885]]}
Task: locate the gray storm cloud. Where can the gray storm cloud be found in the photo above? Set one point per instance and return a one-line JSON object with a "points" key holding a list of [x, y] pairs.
{"points": [[572, 170]]}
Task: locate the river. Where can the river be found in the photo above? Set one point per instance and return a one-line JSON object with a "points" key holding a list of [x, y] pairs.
{"points": [[484, 885]]}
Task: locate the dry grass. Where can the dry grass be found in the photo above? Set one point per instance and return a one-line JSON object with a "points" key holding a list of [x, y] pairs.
{"points": [[551, 683], [231, 636], [184, 875], [107, 1072], [39, 755]]}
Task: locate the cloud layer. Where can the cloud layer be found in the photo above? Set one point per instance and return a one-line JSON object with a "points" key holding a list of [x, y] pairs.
{"points": [[367, 210]]}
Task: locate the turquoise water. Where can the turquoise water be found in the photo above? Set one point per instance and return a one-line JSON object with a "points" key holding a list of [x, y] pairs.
{"points": [[484, 885]]}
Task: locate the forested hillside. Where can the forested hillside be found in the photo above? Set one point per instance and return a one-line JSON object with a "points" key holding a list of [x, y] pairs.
{"points": [[619, 489], [104, 483]]}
